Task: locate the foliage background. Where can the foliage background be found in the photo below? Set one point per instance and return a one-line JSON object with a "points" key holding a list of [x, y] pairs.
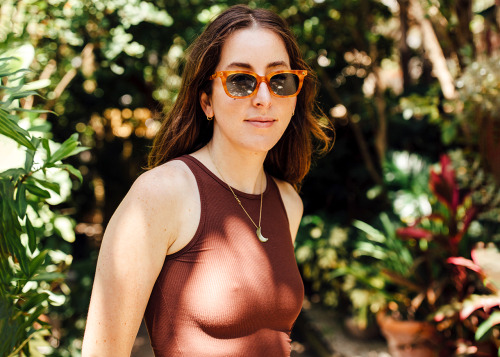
{"points": [[391, 79]]}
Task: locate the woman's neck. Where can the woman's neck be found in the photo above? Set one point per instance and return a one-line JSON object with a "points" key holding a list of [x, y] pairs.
{"points": [[243, 170]]}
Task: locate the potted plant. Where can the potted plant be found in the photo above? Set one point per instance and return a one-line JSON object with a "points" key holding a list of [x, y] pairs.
{"points": [[419, 263], [331, 275]]}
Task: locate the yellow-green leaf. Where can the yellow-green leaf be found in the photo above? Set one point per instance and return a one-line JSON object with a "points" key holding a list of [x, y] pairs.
{"points": [[31, 235]]}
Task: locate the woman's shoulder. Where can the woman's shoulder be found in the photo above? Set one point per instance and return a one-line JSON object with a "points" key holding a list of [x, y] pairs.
{"points": [[170, 179], [166, 199]]}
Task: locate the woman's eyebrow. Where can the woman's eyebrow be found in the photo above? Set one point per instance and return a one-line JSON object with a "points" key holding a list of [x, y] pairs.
{"points": [[248, 66], [277, 64], [240, 65]]}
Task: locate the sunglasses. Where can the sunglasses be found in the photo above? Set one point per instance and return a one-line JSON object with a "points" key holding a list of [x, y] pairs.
{"points": [[244, 84]]}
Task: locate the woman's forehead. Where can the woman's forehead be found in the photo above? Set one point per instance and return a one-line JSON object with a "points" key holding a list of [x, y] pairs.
{"points": [[254, 49]]}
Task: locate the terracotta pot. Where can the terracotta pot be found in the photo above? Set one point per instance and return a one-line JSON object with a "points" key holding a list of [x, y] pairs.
{"points": [[409, 338]]}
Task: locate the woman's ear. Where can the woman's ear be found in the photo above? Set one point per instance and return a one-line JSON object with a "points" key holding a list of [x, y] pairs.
{"points": [[206, 104]]}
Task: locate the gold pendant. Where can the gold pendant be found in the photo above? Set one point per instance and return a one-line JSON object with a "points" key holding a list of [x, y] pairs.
{"points": [[260, 236]]}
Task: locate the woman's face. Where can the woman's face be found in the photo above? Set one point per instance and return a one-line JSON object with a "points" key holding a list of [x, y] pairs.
{"points": [[255, 123]]}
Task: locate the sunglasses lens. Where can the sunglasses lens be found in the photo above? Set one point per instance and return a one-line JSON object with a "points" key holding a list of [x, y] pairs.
{"points": [[240, 84], [285, 84]]}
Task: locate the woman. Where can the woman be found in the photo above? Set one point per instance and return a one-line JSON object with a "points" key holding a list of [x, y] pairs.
{"points": [[202, 245]]}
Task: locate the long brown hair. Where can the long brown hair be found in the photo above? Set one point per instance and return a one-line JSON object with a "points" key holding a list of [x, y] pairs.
{"points": [[186, 129]]}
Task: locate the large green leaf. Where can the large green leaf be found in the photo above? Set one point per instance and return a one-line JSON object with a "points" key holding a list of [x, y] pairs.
{"points": [[19, 95], [48, 276], [14, 174], [53, 186], [487, 325], [39, 84], [372, 233], [71, 170], [34, 301], [30, 230], [34, 189], [68, 148], [20, 254], [37, 261], [46, 146], [21, 200], [10, 129], [28, 163]]}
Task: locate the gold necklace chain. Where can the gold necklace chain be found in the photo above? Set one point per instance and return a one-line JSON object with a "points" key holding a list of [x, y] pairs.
{"points": [[259, 228]]}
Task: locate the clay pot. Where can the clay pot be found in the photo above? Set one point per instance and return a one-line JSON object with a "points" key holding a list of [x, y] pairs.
{"points": [[409, 338]]}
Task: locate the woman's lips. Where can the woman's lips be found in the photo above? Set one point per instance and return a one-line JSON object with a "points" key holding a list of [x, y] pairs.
{"points": [[261, 122]]}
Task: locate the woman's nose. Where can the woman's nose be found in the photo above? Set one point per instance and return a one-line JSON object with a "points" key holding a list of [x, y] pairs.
{"points": [[263, 95]]}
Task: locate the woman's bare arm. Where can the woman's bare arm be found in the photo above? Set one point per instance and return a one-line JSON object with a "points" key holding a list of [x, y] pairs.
{"points": [[133, 250]]}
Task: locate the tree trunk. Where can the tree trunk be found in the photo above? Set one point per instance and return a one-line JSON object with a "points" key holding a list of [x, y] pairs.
{"points": [[404, 50], [464, 37]]}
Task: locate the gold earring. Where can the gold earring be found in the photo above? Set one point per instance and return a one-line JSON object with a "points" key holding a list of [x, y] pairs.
{"points": [[293, 112], [209, 118]]}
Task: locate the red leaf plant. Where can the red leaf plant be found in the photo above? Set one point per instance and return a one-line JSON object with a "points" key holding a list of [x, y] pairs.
{"points": [[457, 218], [452, 287]]}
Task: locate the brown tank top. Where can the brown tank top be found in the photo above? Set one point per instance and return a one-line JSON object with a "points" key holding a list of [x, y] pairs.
{"points": [[226, 293]]}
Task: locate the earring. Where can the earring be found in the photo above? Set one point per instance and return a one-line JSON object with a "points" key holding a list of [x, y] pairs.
{"points": [[293, 112], [209, 118]]}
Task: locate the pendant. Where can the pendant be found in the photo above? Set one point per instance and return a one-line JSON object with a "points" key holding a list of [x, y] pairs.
{"points": [[260, 236]]}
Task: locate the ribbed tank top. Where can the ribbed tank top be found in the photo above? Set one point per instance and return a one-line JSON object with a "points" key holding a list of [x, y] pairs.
{"points": [[226, 293]]}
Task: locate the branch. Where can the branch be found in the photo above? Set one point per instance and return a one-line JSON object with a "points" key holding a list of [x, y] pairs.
{"points": [[67, 78], [46, 73], [434, 51]]}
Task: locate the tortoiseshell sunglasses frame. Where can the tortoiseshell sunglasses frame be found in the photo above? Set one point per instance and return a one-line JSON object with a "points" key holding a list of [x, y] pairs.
{"points": [[224, 74]]}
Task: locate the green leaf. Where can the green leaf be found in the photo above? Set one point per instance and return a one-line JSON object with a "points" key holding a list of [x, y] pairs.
{"points": [[487, 325], [12, 89], [14, 120], [53, 186], [5, 211], [48, 276], [21, 200], [39, 84], [71, 170], [37, 261], [10, 129], [34, 316], [36, 300], [28, 163], [20, 253], [44, 128], [31, 235], [38, 111], [37, 191], [46, 146], [10, 73], [19, 95], [13, 173], [65, 149], [7, 59], [373, 234]]}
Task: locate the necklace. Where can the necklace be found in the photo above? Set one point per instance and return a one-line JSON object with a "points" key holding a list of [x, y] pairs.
{"points": [[258, 232]]}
